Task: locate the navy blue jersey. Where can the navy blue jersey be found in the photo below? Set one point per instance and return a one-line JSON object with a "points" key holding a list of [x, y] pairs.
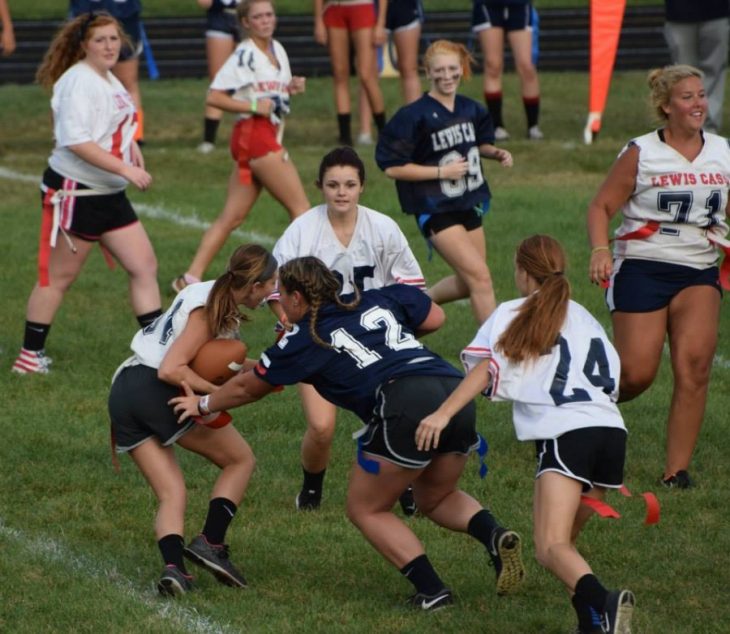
{"points": [[426, 133], [119, 9], [370, 344]]}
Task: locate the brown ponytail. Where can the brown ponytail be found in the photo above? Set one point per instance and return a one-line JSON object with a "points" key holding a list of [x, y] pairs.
{"points": [[250, 263], [539, 319]]}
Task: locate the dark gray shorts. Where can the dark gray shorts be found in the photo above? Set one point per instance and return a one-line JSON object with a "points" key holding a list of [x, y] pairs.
{"points": [[138, 409]]}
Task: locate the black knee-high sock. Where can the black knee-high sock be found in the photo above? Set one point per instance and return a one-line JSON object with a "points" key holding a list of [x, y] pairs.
{"points": [[421, 574], [481, 527], [148, 318], [343, 125], [379, 118], [494, 105], [590, 591], [588, 619], [35, 335], [313, 481], [210, 129], [221, 512], [532, 110], [171, 549]]}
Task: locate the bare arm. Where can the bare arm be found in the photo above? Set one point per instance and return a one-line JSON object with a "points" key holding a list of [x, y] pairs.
{"points": [[242, 389], [379, 34], [223, 101], [205, 4], [93, 154], [613, 193], [429, 430], [489, 151], [175, 367], [434, 320], [320, 31], [7, 35]]}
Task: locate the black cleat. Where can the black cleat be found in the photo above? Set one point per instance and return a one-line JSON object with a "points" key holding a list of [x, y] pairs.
{"points": [[679, 480], [308, 500], [506, 555], [431, 602], [214, 558], [617, 612], [173, 582], [407, 503]]}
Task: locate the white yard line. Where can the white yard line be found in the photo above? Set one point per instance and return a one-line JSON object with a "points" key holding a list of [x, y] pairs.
{"points": [[188, 619], [157, 212]]}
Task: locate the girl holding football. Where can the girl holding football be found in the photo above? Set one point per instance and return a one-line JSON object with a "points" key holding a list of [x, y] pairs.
{"points": [[366, 249], [82, 191], [671, 187], [255, 83], [362, 353], [433, 149], [145, 427], [546, 339]]}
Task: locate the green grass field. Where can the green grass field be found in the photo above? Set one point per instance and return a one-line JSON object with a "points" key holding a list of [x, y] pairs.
{"points": [[77, 550]]}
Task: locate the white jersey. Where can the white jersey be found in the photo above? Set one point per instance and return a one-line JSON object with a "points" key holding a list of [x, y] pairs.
{"points": [[572, 386], [686, 197], [88, 107], [250, 74], [378, 253], [150, 344]]}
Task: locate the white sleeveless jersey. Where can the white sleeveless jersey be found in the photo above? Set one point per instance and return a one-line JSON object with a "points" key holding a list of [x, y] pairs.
{"points": [[88, 107], [573, 385], [686, 197], [378, 254], [150, 344], [249, 74]]}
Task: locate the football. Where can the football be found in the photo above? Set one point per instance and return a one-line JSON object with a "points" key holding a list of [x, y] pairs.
{"points": [[219, 359]]}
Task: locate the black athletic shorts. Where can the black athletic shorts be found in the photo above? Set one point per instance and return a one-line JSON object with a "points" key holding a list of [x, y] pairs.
{"points": [[592, 455], [470, 219], [403, 15], [89, 217], [138, 409], [402, 403]]}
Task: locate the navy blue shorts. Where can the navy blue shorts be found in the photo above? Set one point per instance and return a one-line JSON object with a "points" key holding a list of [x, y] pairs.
{"points": [[502, 15], [90, 217], [642, 286], [402, 404], [223, 24], [403, 15], [592, 455], [430, 224], [138, 409], [133, 28]]}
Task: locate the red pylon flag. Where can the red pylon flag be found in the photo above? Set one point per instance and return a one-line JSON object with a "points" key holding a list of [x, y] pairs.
{"points": [[606, 19]]}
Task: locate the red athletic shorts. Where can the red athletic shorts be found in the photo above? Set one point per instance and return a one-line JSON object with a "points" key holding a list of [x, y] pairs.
{"points": [[252, 138], [349, 16]]}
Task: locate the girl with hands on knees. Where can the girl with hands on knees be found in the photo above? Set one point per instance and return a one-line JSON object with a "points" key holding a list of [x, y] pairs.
{"points": [[83, 189], [553, 360], [433, 149], [361, 352], [145, 427]]}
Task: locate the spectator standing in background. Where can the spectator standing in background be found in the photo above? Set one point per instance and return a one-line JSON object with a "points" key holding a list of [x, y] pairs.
{"points": [[126, 70], [490, 21], [697, 34], [7, 35], [222, 34]]}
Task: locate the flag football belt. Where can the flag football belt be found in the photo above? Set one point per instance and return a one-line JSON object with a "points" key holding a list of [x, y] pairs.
{"points": [[712, 234], [51, 226]]}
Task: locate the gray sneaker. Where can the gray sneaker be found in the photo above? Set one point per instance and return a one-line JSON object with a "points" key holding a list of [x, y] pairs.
{"points": [[618, 611], [506, 555], [174, 583], [214, 558]]}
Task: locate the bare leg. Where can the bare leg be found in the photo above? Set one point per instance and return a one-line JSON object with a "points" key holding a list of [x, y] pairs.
{"points": [[367, 71], [338, 43], [521, 44], [317, 440], [131, 246], [466, 253], [64, 267], [693, 322], [492, 43], [239, 201], [277, 174], [406, 44]]}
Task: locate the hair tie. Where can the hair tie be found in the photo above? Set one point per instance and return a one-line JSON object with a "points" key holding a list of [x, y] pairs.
{"points": [[85, 26]]}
